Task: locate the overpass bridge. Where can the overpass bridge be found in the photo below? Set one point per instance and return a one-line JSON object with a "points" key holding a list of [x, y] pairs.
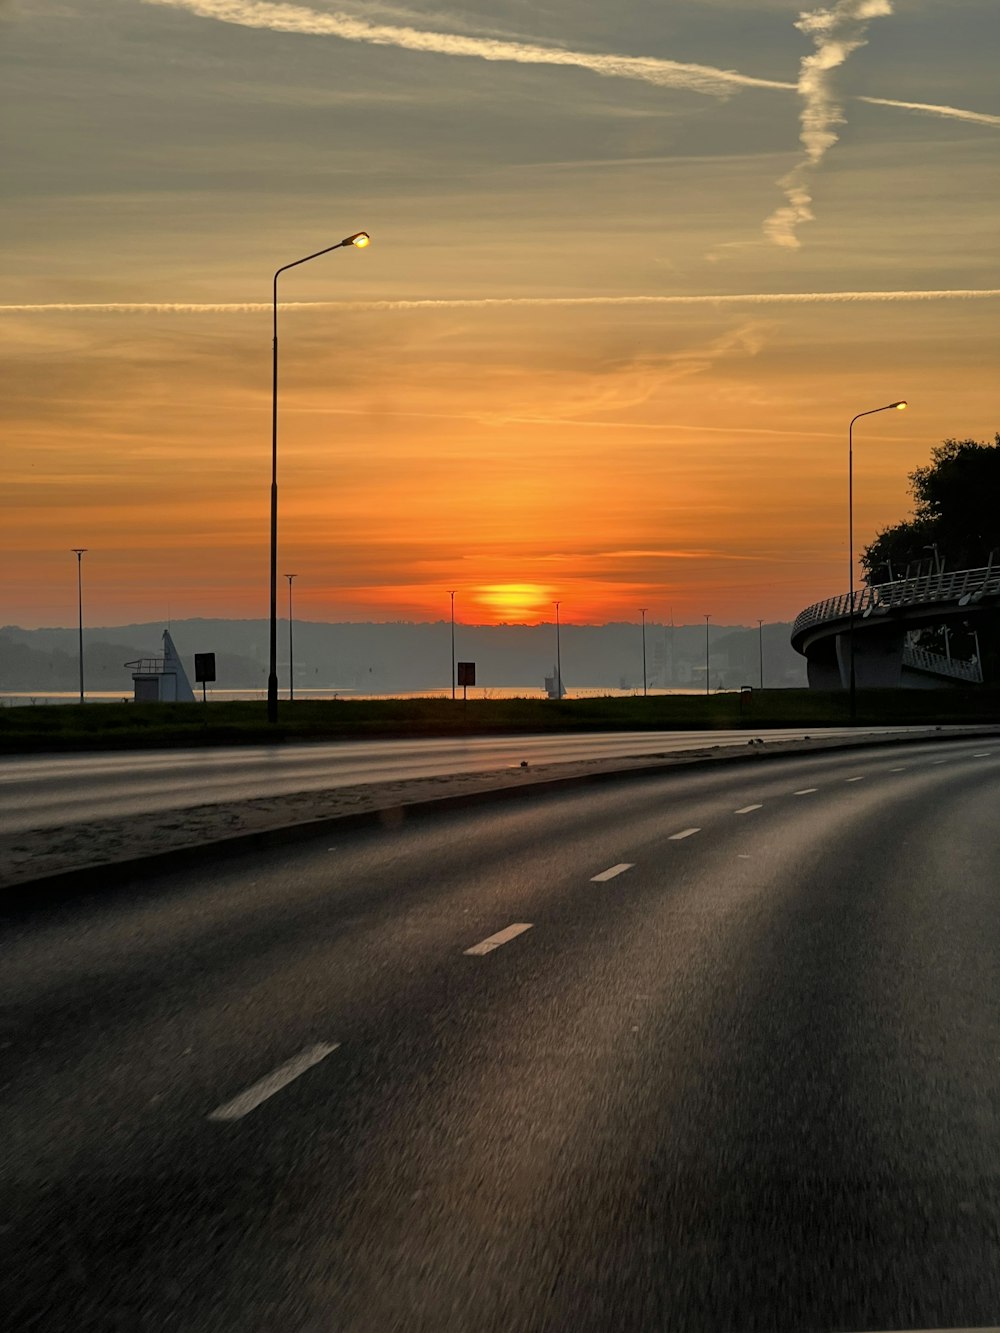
{"points": [[884, 613]]}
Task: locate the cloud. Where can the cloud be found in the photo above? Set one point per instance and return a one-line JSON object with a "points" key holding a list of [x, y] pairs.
{"points": [[836, 33], [486, 302], [289, 18]]}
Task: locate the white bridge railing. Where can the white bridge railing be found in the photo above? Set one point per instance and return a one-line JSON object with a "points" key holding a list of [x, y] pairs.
{"points": [[922, 659], [962, 586]]}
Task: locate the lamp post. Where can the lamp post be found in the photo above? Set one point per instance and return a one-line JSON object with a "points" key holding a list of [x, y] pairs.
{"points": [[79, 552], [707, 685], [760, 649], [452, 595], [360, 239], [642, 611], [559, 689], [291, 660], [889, 407]]}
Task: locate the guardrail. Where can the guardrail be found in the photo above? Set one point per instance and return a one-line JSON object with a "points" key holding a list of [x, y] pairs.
{"points": [[963, 586], [921, 659]]}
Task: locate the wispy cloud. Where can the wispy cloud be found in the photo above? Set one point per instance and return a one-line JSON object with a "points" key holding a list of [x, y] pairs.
{"points": [[486, 302], [277, 17], [836, 32]]}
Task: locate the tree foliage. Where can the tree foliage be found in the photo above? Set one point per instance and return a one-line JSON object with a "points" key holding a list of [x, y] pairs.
{"points": [[956, 509]]}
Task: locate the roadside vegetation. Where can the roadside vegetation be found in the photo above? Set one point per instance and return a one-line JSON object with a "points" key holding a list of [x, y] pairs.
{"points": [[102, 726]]}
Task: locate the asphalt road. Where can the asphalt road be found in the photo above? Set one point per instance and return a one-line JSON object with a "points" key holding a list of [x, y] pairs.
{"points": [[737, 1068], [70, 789]]}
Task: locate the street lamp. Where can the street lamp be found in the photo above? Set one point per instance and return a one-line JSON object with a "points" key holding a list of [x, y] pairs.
{"points": [[359, 240], [643, 610], [559, 689], [889, 407], [79, 552], [760, 649], [707, 687], [452, 594], [291, 660]]}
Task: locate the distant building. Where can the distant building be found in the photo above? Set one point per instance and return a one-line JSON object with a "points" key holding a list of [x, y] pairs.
{"points": [[161, 680]]}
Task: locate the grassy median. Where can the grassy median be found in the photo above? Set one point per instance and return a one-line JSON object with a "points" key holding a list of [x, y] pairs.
{"points": [[130, 726]]}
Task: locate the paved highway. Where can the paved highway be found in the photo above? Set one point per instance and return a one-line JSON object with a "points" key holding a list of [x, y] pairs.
{"points": [[718, 1050], [72, 789]]}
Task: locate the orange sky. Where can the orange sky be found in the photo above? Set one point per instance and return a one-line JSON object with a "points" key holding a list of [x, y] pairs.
{"points": [[689, 458]]}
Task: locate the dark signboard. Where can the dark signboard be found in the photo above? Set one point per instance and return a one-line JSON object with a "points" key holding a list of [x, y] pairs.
{"points": [[204, 667], [466, 673]]}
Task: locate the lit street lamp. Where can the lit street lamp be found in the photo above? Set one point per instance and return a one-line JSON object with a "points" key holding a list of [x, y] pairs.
{"points": [[643, 610], [291, 660], [360, 239], [79, 552], [889, 407]]}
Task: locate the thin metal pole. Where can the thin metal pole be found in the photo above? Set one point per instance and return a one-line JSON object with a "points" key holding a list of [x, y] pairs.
{"points": [[707, 678], [79, 552], [852, 683], [559, 688], [452, 644], [272, 672], [643, 610], [291, 659], [760, 649]]}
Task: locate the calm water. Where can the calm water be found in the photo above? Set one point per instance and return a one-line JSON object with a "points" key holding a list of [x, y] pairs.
{"points": [[14, 698]]}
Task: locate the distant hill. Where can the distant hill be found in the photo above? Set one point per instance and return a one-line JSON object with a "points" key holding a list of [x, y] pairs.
{"points": [[403, 656]]}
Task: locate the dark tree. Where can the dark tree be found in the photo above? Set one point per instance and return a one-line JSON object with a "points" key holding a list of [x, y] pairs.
{"points": [[956, 507], [956, 521]]}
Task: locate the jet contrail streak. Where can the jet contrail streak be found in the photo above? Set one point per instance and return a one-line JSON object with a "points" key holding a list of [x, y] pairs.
{"points": [[492, 302], [290, 18], [930, 109]]}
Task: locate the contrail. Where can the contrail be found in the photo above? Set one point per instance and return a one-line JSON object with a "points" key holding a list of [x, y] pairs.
{"points": [[929, 108], [490, 302], [835, 33], [277, 17], [290, 18]]}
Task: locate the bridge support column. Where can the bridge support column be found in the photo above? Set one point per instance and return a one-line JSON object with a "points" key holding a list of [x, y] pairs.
{"points": [[878, 657]]}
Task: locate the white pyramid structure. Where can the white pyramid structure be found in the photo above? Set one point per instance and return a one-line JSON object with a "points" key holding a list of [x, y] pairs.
{"points": [[173, 666], [162, 680]]}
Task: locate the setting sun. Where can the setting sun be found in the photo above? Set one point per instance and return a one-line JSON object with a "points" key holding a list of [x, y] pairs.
{"points": [[515, 601]]}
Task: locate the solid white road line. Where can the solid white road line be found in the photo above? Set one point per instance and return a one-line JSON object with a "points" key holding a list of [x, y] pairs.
{"points": [[610, 874], [267, 1087], [747, 808], [684, 833], [806, 791], [501, 937], [861, 779]]}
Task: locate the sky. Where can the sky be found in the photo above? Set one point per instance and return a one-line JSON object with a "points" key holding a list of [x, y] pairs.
{"points": [[633, 270]]}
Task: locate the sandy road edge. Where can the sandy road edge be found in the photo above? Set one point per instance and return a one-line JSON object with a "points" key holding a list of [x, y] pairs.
{"points": [[71, 859]]}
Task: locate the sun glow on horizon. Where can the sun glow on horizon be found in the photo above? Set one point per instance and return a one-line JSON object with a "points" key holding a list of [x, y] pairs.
{"points": [[515, 601]]}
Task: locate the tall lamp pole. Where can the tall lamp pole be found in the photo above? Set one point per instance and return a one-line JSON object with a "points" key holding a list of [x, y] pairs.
{"points": [[760, 649], [452, 595], [642, 611], [79, 552], [707, 679], [360, 239], [889, 407], [291, 659], [559, 688]]}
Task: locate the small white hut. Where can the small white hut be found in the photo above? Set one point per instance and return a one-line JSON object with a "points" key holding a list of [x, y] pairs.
{"points": [[161, 680]]}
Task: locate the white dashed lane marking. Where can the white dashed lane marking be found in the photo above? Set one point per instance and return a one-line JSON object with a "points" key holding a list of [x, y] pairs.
{"points": [[610, 874], [501, 937], [898, 770], [860, 779], [274, 1082], [984, 755], [745, 810], [806, 791], [684, 833]]}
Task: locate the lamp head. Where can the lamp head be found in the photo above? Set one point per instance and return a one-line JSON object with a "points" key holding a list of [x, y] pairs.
{"points": [[900, 406], [359, 240]]}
